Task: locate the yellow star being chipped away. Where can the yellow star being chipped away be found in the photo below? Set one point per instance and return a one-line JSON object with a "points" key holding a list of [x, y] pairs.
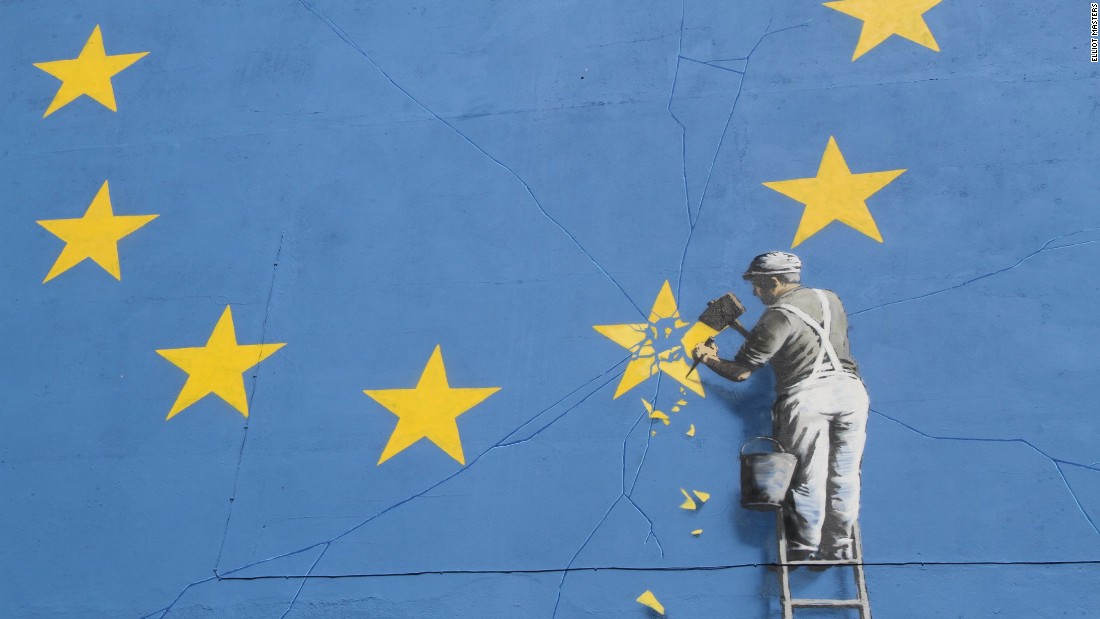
{"points": [[835, 194], [430, 410], [95, 235], [88, 74], [217, 368], [882, 18], [661, 345]]}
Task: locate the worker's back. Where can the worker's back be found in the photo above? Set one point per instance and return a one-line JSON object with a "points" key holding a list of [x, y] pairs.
{"points": [[798, 352]]}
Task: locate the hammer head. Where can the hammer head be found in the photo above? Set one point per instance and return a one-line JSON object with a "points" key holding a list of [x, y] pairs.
{"points": [[722, 312]]}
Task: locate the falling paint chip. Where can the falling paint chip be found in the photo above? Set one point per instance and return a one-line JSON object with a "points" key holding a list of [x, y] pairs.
{"points": [[697, 532], [691, 430], [653, 433], [675, 409], [648, 406], [668, 331], [650, 600], [703, 496], [681, 402], [680, 324], [659, 415], [689, 503]]}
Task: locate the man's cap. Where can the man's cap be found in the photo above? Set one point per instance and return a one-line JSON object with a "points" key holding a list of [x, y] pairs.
{"points": [[773, 263]]}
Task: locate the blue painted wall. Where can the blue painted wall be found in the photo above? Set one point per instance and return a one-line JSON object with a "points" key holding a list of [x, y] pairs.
{"points": [[366, 181]]}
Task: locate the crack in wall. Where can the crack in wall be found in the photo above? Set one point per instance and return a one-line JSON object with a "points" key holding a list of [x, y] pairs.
{"points": [[712, 63], [623, 494], [530, 192], [659, 568], [504, 442], [1045, 248], [1057, 462], [305, 579], [747, 59], [255, 380], [668, 108]]}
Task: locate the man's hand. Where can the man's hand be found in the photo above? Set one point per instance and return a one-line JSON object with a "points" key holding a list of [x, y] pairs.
{"points": [[705, 352]]}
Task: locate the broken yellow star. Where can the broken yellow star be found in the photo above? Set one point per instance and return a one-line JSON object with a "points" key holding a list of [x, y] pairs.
{"points": [[95, 235], [882, 18], [430, 410], [835, 194], [649, 600], [657, 345], [88, 74], [217, 368]]}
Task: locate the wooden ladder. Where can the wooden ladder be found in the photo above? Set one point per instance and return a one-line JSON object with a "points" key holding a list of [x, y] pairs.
{"points": [[861, 602]]}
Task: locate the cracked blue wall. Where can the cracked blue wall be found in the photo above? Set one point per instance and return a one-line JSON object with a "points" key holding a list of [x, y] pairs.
{"points": [[366, 182]]}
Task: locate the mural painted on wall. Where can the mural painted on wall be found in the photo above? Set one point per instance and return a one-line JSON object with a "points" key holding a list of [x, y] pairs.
{"points": [[513, 184], [819, 417]]}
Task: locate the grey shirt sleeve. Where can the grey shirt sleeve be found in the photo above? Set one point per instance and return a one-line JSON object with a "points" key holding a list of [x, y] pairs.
{"points": [[766, 338]]}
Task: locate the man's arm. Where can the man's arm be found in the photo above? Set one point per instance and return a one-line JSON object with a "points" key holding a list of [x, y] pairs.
{"points": [[766, 338], [728, 369]]}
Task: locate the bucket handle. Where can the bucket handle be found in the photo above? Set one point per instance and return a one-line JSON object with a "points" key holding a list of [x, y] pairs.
{"points": [[766, 438]]}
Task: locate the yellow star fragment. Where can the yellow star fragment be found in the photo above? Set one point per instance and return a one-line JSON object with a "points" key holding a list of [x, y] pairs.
{"points": [[430, 410], [217, 368], [95, 235], [660, 345], [835, 194], [88, 74], [882, 18], [648, 599]]}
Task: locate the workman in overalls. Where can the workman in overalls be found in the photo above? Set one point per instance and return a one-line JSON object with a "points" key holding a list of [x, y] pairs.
{"points": [[820, 412]]}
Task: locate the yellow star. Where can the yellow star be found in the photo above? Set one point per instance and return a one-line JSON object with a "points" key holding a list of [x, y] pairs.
{"points": [[217, 367], [835, 194], [430, 410], [882, 18], [660, 345], [88, 74], [95, 235]]}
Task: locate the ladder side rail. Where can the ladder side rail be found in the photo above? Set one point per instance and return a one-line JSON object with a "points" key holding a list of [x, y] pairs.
{"points": [[861, 579], [784, 570]]}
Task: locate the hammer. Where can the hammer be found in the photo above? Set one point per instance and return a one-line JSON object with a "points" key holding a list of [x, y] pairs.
{"points": [[721, 313]]}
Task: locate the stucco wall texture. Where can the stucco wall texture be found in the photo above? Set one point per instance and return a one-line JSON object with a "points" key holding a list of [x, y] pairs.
{"points": [[368, 183]]}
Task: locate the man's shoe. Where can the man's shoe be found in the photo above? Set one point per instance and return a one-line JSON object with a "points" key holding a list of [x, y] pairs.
{"points": [[831, 554], [800, 555], [841, 553]]}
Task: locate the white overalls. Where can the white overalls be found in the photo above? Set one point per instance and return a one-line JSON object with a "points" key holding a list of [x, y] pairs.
{"points": [[823, 421]]}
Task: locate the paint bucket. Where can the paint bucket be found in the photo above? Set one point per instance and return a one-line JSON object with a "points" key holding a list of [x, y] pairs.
{"points": [[765, 477]]}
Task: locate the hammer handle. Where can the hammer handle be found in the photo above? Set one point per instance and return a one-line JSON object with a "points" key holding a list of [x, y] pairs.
{"points": [[740, 328]]}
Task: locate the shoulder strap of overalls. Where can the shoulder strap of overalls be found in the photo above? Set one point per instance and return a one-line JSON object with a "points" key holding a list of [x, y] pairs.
{"points": [[822, 331]]}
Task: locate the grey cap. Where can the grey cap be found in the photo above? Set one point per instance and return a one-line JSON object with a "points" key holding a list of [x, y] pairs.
{"points": [[773, 263]]}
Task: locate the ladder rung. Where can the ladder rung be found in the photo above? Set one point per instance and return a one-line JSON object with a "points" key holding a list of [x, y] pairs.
{"points": [[812, 603], [824, 562]]}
